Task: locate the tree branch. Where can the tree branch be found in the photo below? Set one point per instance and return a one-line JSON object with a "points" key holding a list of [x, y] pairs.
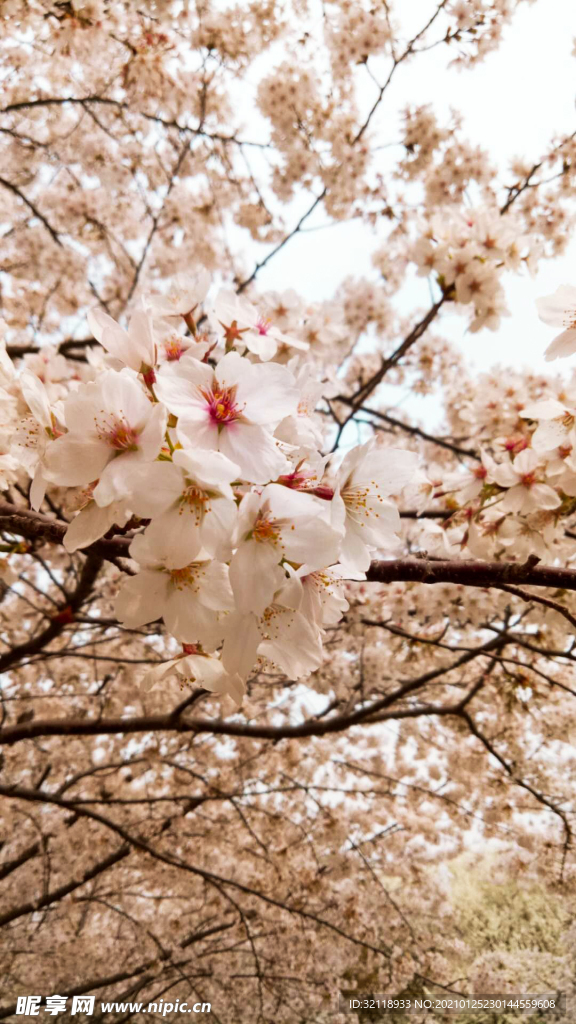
{"points": [[16, 191]]}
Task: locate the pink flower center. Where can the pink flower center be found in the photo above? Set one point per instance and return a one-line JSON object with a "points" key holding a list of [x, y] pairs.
{"points": [[263, 325], [528, 479], [120, 436], [173, 348], [480, 472], [190, 649], [222, 405]]}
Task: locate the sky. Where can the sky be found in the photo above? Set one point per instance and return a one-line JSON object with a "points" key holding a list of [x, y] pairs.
{"points": [[512, 105]]}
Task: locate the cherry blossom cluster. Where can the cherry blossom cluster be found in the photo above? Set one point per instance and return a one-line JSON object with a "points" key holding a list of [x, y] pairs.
{"points": [[196, 429], [468, 253], [512, 501]]}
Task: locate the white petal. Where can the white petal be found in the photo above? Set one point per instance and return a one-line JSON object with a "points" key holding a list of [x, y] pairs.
{"points": [[241, 644], [549, 434], [254, 450], [121, 394], [312, 541], [99, 321], [141, 338], [153, 487], [198, 432], [116, 341], [38, 488], [515, 499], [255, 575], [297, 646], [554, 309], [178, 385], [354, 552], [544, 496], [181, 530], [207, 467], [152, 436], [262, 345], [216, 589], [35, 394], [93, 522], [386, 470], [217, 528], [563, 345], [188, 619], [70, 461], [142, 598], [549, 409]]}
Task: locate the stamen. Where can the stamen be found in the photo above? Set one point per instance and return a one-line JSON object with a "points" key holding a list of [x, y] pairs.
{"points": [[119, 435], [222, 404], [263, 325], [265, 529]]}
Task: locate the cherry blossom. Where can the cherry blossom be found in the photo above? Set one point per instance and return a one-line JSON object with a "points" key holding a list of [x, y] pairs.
{"points": [[559, 310], [282, 634], [233, 409], [33, 434], [278, 525], [523, 480], [277, 650], [184, 294], [189, 596], [135, 347], [368, 475], [190, 501], [555, 423], [192, 666], [93, 521], [110, 424], [240, 324], [323, 601]]}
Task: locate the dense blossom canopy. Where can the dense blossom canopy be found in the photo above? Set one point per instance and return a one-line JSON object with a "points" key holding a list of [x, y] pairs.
{"points": [[287, 673]]}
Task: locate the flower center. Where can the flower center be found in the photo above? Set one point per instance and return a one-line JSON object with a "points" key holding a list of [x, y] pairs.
{"points": [[194, 500], [265, 528], [173, 348], [528, 479], [186, 578], [120, 436], [222, 405], [355, 500], [191, 649], [263, 325]]}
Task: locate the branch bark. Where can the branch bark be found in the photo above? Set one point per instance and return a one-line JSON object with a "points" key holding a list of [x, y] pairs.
{"points": [[462, 572]]}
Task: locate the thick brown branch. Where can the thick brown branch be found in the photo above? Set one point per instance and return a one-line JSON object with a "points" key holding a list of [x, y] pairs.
{"points": [[65, 348], [472, 573], [35, 526], [384, 708], [469, 572]]}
